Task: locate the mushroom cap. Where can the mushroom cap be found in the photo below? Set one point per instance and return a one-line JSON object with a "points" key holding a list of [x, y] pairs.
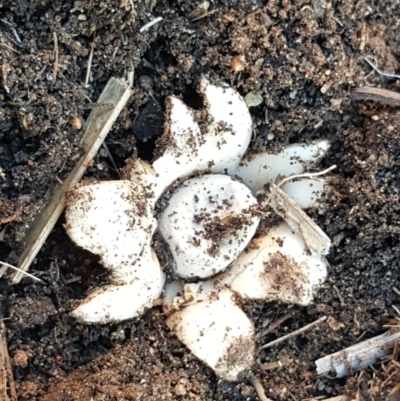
{"points": [[111, 219], [218, 332], [278, 267], [209, 220], [115, 303]]}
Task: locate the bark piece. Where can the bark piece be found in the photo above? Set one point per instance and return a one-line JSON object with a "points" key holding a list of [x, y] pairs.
{"points": [[7, 386], [358, 356]]}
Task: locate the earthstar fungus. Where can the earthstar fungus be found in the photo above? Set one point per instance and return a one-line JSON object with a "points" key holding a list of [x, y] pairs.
{"points": [[209, 223]]}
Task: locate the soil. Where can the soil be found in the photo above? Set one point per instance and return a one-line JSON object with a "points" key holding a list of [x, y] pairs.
{"points": [[304, 58]]}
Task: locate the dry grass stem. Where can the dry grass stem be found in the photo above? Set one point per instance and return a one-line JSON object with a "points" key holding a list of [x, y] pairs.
{"points": [[150, 24], [89, 65], [381, 72], [358, 356], [55, 65], [306, 175], [294, 333], [299, 221], [7, 386], [99, 123], [258, 387], [377, 94], [276, 364], [26, 274]]}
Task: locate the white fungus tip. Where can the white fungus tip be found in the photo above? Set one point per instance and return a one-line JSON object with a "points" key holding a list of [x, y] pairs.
{"points": [[115, 303], [111, 219], [264, 168], [218, 332], [278, 267], [229, 126]]}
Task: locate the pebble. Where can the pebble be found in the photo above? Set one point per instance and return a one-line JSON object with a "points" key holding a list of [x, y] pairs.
{"points": [[253, 99], [180, 389]]}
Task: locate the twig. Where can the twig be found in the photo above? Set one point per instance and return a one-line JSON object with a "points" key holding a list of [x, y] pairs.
{"points": [[97, 126], [21, 271], [339, 295], [150, 24], [294, 333], [284, 206], [10, 48], [358, 356], [15, 33], [7, 386], [363, 39], [274, 325], [337, 398], [377, 94], [89, 65], [258, 387], [110, 156], [55, 65], [306, 175], [384, 73], [396, 309], [5, 68], [203, 16], [396, 291], [13, 30], [276, 364]]}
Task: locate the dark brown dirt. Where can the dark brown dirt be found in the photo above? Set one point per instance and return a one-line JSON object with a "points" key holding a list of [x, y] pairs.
{"points": [[304, 58]]}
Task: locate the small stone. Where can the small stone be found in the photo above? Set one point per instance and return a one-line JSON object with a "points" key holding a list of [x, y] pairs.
{"points": [[146, 82], [82, 17], [180, 389], [238, 63], [253, 99], [20, 358]]}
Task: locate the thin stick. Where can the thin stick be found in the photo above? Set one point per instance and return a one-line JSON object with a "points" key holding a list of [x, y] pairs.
{"points": [[7, 386], [97, 126], [294, 333], [4, 70], [339, 295], [21, 271], [274, 325], [110, 156], [377, 94], [10, 48], [55, 65], [15, 33], [150, 24], [258, 387], [203, 16], [363, 40], [384, 73], [396, 291], [358, 356], [396, 309], [276, 364], [89, 65], [306, 175]]}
